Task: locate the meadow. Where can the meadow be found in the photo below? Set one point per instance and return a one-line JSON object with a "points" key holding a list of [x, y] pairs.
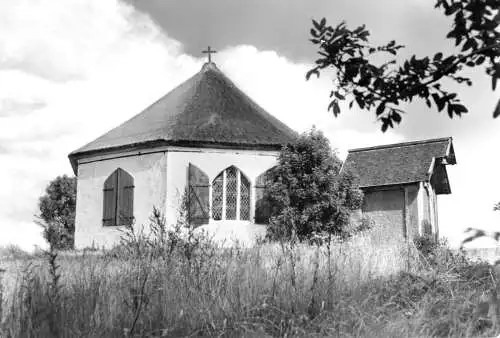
{"points": [[361, 287]]}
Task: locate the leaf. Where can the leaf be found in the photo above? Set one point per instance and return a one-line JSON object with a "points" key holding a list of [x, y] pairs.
{"points": [[438, 56], [316, 25], [334, 106], [452, 9], [439, 103], [428, 102], [459, 109], [311, 72], [313, 33], [396, 117], [386, 123], [339, 96], [360, 102], [480, 60], [450, 97], [380, 109], [496, 112], [359, 29], [450, 111], [336, 109], [451, 34], [469, 44]]}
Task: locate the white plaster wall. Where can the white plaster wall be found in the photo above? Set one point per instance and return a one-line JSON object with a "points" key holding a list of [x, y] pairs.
{"points": [[212, 161], [234, 233], [386, 209], [428, 210], [149, 173], [434, 207]]}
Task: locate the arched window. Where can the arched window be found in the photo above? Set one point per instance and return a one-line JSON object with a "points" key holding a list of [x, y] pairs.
{"points": [[231, 195], [118, 199]]}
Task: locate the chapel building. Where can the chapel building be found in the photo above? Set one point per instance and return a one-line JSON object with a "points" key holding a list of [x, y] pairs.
{"points": [[205, 141]]}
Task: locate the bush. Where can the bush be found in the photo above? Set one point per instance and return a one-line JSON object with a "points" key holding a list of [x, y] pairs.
{"points": [[426, 244], [57, 212], [307, 192]]}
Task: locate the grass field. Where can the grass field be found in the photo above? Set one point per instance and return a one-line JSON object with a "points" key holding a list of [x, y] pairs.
{"points": [[361, 287]]}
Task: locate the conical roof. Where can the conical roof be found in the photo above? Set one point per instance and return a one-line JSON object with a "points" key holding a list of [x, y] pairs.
{"points": [[206, 110]]}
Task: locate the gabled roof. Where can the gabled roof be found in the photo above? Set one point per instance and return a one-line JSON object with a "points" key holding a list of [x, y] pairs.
{"points": [[207, 109], [400, 163]]}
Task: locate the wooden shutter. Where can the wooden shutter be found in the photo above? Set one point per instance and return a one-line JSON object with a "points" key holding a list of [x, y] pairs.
{"points": [[262, 205], [109, 198], [125, 210], [198, 196]]}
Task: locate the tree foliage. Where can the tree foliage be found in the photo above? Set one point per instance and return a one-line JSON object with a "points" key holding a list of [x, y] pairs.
{"points": [[382, 87], [57, 212], [307, 193]]}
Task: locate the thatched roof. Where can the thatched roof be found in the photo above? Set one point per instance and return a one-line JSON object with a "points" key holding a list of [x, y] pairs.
{"points": [[206, 110], [402, 163]]}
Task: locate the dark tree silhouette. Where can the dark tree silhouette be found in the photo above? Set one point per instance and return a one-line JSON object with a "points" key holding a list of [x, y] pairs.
{"points": [[57, 212], [382, 87]]}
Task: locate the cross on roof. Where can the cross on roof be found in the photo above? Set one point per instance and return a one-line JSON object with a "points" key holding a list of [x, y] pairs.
{"points": [[209, 51]]}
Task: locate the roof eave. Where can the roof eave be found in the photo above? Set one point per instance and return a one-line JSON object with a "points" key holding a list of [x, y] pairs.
{"points": [[388, 185], [76, 155]]}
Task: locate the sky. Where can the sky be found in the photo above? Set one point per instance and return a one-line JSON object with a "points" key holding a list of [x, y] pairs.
{"points": [[70, 70]]}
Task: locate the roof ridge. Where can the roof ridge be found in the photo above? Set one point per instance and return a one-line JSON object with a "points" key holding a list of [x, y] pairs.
{"points": [[401, 144]]}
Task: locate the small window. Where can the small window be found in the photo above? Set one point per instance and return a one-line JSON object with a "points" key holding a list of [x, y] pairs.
{"points": [[118, 199]]}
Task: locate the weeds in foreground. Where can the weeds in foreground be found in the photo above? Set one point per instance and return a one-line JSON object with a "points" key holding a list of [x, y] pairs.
{"points": [[187, 286]]}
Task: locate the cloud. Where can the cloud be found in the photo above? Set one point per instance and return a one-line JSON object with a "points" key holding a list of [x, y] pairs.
{"points": [[10, 107]]}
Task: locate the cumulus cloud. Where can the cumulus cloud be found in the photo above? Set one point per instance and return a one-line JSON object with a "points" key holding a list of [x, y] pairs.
{"points": [[9, 107]]}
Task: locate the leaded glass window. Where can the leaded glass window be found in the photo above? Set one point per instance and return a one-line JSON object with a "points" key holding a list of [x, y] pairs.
{"points": [[231, 195], [244, 199], [217, 195], [231, 192]]}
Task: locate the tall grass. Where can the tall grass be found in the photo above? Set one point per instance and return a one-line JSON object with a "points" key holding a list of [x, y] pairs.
{"points": [[191, 286]]}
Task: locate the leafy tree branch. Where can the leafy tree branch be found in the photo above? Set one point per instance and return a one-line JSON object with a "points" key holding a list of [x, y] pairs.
{"points": [[383, 87]]}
